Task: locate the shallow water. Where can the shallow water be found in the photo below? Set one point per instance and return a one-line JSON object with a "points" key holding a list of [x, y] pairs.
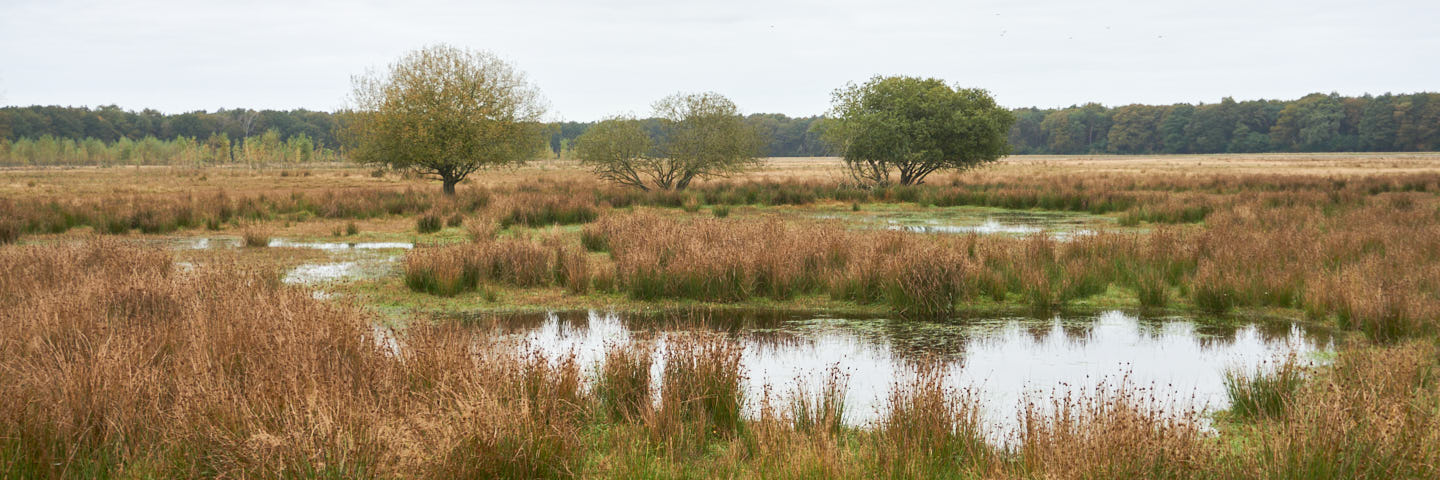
{"points": [[202, 243], [334, 246], [348, 260], [965, 220], [322, 272], [993, 227], [1003, 361]]}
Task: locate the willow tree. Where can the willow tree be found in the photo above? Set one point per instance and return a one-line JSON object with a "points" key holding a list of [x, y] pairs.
{"points": [[697, 136], [915, 126], [445, 112]]}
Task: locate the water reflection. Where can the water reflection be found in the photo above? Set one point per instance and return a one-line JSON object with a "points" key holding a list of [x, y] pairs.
{"points": [[963, 220], [332, 246], [202, 243], [1003, 359], [361, 267], [322, 272], [989, 227]]}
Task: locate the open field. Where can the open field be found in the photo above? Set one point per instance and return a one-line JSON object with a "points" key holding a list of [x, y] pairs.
{"points": [[374, 327]]}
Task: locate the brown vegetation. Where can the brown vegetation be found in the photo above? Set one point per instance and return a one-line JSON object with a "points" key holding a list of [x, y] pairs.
{"points": [[1370, 266], [115, 364]]}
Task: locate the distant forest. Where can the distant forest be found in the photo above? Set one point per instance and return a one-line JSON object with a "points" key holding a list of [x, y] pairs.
{"points": [[41, 135]]}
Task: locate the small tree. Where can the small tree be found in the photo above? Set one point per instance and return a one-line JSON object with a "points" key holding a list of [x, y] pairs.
{"points": [[619, 151], [445, 112], [698, 136], [914, 126]]}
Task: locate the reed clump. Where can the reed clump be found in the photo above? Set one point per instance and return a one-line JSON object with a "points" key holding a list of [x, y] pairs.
{"points": [[623, 384], [255, 237], [1373, 414], [428, 223], [452, 269], [1114, 431], [700, 393], [9, 232], [929, 430], [822, 411], [542, 210], [1265, 393]]}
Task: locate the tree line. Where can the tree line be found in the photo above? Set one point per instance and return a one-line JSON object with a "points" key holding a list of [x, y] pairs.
{"points": [[111, 123], [263, 149], [1314, 123], [108, 125]]}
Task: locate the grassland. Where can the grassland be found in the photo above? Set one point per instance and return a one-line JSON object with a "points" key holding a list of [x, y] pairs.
{"points": [[121, 364]]}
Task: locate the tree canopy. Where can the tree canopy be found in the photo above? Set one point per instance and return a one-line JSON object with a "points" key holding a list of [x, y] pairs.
{"points": [[446, 112], [697, 136], [915, 126]]}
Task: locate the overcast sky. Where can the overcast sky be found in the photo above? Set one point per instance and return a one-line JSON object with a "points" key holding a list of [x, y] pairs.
{"points": [[593, 58]]}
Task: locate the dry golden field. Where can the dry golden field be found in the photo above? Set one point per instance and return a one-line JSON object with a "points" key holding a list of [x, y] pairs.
{"points": [[144, 339]]}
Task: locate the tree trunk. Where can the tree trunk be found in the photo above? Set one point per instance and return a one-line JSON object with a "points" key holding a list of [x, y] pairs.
{"points": [[450, 185]]}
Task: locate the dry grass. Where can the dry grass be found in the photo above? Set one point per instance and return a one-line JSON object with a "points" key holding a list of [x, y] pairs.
{"points": [[1114, 431], [115, 364], [930, 431], [1367, 265], [255, 237], [1374, 414], [221, 373]]}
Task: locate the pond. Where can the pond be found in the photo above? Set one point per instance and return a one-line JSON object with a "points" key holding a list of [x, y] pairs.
{"points": [[976, 220], [1005, 361], [203, 243], [347, 260]]}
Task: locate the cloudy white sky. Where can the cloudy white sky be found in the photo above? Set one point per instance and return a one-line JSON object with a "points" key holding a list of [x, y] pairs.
{"points": [[597, 57]]}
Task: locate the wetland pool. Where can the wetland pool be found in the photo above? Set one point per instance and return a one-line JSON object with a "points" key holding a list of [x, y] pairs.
{"points": [[1003, 361], [975, 220]]}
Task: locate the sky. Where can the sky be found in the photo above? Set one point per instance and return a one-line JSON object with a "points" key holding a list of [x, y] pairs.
{"points": [[595, 58]]}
